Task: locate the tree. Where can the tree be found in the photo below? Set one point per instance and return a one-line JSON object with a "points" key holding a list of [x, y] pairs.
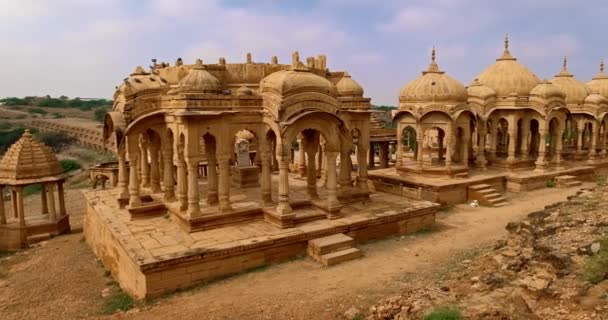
{"points": [[100, 114]]}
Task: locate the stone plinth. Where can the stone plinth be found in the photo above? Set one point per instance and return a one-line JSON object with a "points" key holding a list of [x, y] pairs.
{"points": [[245, 177]]}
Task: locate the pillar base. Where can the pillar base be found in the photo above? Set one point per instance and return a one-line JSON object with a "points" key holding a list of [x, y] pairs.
{"points": [[273, 216], [169, 196]]}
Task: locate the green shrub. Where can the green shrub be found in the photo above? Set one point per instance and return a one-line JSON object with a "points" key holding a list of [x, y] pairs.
{"points": [[100, 114], [55, 140], [595, 268], [444, 313], [69, 165], [21, 116], [58, 115], [119, 301], [37, 111], [7, 138], [32, 189], [602, 181], [551, 183], [5, 126]]}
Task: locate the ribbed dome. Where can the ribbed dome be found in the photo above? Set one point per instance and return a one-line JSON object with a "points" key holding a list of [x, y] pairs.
{"points": [[433, 86], [29, 159], [478, 90], [199, 80], [141, 80], [296, 79], [600, 82], [546, 90], [508, 76], [596, 98], [348, 87], [575, 91]]}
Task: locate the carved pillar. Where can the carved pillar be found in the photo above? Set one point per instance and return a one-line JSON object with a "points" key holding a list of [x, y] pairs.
{"points": [[61, 197], [145, 166], [512, 143], [45, 207], [604, 145], [399, 145], [448, 147], [541, 163], [384, 154], [419, 146], [194, 209], [301, 158], [311, 147], [265, 179], [51, 201], [558, 149], [320, 161], [481, 149], [2, 212], [525, 143], [14, 202], [283, 208], [593, 148], [361, 159], [134, 163], [323, 163], [19, 205], [333, 205], [345, 169], [154, 169], [168, 182], [371, 158], [465, 147], [123, 175], [212, 197], [580, 126], [493, 141], [224, 182], [182, 188]]}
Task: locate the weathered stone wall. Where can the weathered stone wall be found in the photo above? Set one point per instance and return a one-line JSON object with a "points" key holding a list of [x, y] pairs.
{"points": [[86, 137]]}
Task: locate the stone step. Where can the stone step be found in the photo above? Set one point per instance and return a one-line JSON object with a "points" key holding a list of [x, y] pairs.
{"points": [[320, 246], [38, 238], [497, 200], [462, 175], [500, 204], [333, 258], [494, 195], [486, 191], [573, 183], [479, 186], [565, 178]]}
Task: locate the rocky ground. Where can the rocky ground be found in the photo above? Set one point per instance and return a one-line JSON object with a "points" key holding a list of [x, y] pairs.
{"points": [[552, 265]]}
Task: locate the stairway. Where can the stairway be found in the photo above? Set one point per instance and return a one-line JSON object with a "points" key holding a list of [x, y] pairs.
{"points": [[38, 238], [486, 195], [333, 249], [567, 181]]}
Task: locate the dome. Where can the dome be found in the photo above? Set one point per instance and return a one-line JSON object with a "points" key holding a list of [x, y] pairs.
{"points": [[478, 90], [296, 79], [29, 159], [243, 91], [575, 91], [199, 80], [547, 90], [508, 76], [600, 82], [141, 80], [348, 87], [596, 98], [433, 86]]}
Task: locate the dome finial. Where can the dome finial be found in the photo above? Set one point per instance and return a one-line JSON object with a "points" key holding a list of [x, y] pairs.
{"points": [[506, 42], [433, 67], [565, 64], [602, 66], [506, 55], [433, 55], [564, 72]]}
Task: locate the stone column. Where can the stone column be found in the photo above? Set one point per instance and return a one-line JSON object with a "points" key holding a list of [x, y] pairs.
{"points": [[579, 137], [194, 209], [345, 169], [61, 197], [361, 158], [465, 147], [275, 161], [541, 163], [481, 149], [14, 202], [154, 169], [525, 144], [512, 143], [384, 154], [168, 182], [19, 205], [212, 198], [320, 161], [604, 145], [323, 164], [333, 205], [145, 166], [558, 150], [266, 178], [181, 183], [134, 163], [123, 176], [2, 212], [224, 182], [493, 141], [51, 201], [311, 173], [448, 148], [301, 158], [371, 158], [399, 145], [283, 208], [45, 207], [593, 148]]}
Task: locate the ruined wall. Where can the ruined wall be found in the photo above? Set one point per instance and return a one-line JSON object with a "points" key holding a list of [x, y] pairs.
{"points": [[86, 137]]}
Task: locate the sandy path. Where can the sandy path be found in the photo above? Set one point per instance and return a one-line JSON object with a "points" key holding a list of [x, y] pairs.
{"points": [[303, 290]]}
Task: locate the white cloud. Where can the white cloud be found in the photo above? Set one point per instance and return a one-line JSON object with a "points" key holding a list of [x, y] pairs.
{"points": [[414, 18]]}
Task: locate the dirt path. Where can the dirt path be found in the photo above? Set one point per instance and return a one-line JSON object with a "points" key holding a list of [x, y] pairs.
{"points": [[61, 280]]}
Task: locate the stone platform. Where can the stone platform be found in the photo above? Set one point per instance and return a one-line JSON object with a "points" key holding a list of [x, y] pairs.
{"points": [[449, 191], [154, 255]]}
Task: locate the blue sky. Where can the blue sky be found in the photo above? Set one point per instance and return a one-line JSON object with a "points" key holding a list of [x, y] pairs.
{"points": [[85, 47]]}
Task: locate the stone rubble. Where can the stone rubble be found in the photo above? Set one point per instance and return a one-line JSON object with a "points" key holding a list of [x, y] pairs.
{"points": [[535, 273]]}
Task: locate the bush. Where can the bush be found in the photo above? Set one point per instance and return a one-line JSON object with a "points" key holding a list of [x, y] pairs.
{"points": [[69, 165], [602, 181], [55, 140], [100, 114], [21, 116], [118, 301], [37, 111], [32, 189], [7, 138], [551, 183], [444, 313], [58, 115], [595, 268]]}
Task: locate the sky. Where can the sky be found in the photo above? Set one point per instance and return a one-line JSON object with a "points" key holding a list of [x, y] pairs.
{"points": [[86, 47]]}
